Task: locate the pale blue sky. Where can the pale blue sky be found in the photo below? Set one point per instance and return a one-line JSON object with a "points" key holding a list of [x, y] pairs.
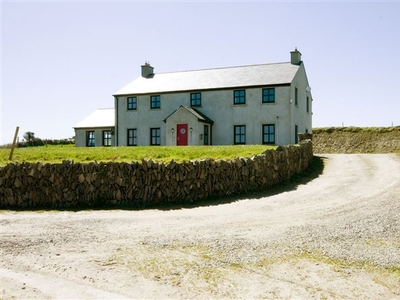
{"points": [[61, 60]]}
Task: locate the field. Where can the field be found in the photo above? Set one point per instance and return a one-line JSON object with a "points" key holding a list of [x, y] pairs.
{"points": [[56, 154], [325, 140]]}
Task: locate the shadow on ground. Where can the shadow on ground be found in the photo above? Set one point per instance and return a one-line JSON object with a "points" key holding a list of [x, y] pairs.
{"points": [[314, 171]]}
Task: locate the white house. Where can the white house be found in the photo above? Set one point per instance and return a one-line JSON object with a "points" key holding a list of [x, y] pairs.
{"points": [[257, 104], [98, 129]]}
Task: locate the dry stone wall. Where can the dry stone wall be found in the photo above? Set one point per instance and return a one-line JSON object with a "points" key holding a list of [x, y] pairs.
{"points": [[145, 183]]}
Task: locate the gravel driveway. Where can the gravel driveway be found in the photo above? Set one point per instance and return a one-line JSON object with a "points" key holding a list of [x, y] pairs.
{"points": [[338, 236]]}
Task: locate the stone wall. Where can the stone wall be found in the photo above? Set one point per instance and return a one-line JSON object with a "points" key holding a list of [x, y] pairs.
{"points": [[145, 183]]}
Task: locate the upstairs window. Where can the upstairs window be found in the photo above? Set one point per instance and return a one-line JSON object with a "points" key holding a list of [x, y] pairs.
{"points": [[132, 103], [308, 104], [155, 101], [195, 99], [90, 139], [239, 134], [296, 100], [106, 138], [239, 97], [268, 95]]}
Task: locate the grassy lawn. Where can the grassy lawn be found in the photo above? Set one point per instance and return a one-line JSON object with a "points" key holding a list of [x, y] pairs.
{"points": [[56, 154]]}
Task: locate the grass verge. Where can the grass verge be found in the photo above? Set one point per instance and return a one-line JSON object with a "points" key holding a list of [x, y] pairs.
{"points": [[58, 153]]}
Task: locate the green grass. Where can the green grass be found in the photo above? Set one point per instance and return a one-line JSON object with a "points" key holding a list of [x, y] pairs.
{"points": [[353, 129], [56, 154]]}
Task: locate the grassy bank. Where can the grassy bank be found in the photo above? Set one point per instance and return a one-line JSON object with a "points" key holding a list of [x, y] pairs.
{"points": [[356, 140], [56, 154]]}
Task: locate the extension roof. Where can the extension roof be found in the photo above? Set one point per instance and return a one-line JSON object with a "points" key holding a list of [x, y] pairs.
{"points": [[221, 78], [102, 117]]}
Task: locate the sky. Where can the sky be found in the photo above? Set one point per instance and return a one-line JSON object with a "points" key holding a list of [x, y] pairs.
{"points": [[61, 60]]}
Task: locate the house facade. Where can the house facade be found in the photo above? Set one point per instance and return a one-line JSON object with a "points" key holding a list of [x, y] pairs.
{"points": [[259, 104], [97, 130]]}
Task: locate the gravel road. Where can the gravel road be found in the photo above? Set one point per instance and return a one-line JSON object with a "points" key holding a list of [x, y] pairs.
{"points": [[337, 236]]}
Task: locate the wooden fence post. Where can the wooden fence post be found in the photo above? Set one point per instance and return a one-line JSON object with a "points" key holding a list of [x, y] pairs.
{"points": [[14, 142]]}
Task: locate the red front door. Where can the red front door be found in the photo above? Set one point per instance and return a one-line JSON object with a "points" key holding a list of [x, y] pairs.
{"points": [[182, 136]]}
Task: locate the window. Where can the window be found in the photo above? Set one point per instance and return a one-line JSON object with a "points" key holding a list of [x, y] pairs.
{"points": [[155, 136], [106, 137], [240, 134], [132, 137], [132, 103], [308, 104], [206, 135], [155, 101], [296, 134], [296, 101], [90, 139], [239, 97], [268, 134], [268, 95], [195, 99]]}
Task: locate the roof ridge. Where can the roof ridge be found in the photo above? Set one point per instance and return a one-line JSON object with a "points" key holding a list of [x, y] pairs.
{"points": [[223, 68]]}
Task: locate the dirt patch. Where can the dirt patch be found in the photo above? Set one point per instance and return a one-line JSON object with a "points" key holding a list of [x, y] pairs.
{"points": [[338, 236]]}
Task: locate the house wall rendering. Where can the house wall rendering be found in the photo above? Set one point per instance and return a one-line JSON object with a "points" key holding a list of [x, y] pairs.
{"points": [[218, 106], [94, 137]]}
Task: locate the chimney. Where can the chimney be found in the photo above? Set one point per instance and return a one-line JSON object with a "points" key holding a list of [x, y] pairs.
{"points": [[295, 57], [147, 70]]}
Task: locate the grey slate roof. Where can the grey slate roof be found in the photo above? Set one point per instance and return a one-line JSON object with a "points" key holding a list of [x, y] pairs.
{"points": [[102, 117], [254, 75]]}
